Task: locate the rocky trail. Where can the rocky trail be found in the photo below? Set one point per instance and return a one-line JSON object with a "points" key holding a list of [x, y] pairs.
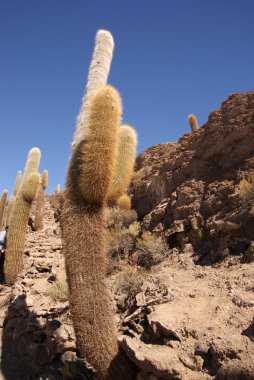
{"points": [[189, 321]]}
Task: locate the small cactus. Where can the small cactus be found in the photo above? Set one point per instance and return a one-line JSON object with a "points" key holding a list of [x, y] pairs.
{"points": [[13, 263], [3, 201], [58, 189], [193, 122], [40, 201], [124, 202], [124, 164]]}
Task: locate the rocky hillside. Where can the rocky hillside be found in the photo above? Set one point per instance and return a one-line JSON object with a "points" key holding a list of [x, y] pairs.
{"points": [[186, 320], [189, 190]]}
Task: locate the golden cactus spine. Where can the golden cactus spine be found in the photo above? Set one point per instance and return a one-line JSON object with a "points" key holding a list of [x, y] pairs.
{"points": [[97, 77], [3, 201], [13, 263], [193, 122], [125, 163], [40, 201], [84, 239], [17, 183]]}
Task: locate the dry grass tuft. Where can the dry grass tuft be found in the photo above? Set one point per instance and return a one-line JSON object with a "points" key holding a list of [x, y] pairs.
{"points": [[59, 291]]}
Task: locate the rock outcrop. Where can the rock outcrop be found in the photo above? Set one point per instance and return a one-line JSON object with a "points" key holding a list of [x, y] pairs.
{"points": [[189, 190]]}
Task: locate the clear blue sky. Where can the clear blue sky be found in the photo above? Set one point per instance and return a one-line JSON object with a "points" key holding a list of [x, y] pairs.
{"points": [[171, 58]]}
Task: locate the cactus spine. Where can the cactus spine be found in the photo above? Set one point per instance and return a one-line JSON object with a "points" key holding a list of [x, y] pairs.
{"points": [[13, 263], [40, 201], [125, 163], [193, 122], [97, 77], [84, 239], [3, 201]]}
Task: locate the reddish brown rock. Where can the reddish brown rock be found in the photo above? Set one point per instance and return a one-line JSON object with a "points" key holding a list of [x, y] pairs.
{"points": [[193, 183]]}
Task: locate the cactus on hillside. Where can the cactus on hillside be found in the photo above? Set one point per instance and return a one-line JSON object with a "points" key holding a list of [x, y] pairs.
{"points": [[193, 122], [3, 201], [13, 262], [40, 201], [84, 239], [125, 163], [124, 202], [10, 206], [17, 183], [97, 77], [58, 189]]}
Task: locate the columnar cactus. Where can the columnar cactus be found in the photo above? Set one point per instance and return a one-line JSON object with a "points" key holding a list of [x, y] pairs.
{"points": [[3, 201], [17, 183], [193, 122], [13, 263], [57, 190], [40, 201], [10, 206], [84, 239], [97, 77], [125, 163], [124, 202]]}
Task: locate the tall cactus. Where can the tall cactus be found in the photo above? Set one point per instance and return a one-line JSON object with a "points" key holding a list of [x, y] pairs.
{"points": [[97, 77], [84, 239], [17, 183], [125, 163], [3, 201], [10, 206], [12, 200], [40, 201], [193, 122], [13, 263]]}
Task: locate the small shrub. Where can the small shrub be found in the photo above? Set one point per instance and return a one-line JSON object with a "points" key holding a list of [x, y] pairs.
{"points": [[116, 216], [59, 291], [76, 370], [136, 177], [246, 190], [121, 242], [151, 249], [129, 282]]}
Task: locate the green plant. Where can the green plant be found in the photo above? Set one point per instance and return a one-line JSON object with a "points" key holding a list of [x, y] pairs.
{"points": [[40, 201], [84, 240], [59, 291], [193, 122], [13, 262], [151, 249]]}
